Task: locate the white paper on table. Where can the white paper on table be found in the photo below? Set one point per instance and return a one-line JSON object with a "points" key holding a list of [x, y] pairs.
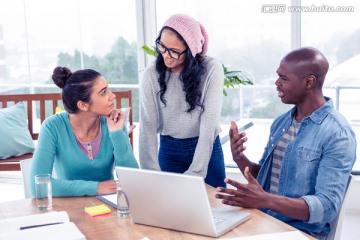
{"points": [[110, 199], [67, 231], [293, 235], [10, 228], [13, 224]]}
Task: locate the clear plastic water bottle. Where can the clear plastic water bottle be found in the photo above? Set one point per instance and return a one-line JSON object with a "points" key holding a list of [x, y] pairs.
{"points": [[123, 203]]}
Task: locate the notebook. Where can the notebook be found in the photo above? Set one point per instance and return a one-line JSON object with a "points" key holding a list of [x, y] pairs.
{"points": [[175, 201], [50, 225]]}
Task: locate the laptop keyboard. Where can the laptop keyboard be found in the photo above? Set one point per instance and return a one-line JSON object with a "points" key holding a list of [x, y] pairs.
{"points": [[218, 221]]}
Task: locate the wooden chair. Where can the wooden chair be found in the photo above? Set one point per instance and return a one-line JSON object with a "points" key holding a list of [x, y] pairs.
{"points": [[124, 99], [41, 101]]}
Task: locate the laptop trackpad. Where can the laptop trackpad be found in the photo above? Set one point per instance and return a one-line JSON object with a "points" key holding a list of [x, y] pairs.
{"points": [[226, 218]]}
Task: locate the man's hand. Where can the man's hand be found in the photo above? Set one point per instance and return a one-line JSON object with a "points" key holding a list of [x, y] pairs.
{"points": [[249, 195], [237, 142]]}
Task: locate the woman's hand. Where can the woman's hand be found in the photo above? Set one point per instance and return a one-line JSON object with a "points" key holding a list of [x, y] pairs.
{"points": [[115, 120], [107, 187]]}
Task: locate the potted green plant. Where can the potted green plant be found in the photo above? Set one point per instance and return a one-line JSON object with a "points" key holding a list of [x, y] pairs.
{"points": [[232, 78]]}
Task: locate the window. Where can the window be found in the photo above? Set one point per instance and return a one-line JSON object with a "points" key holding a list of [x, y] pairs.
{"points": [[77, 34], [253, 37], [250, 37], [333, 27], [243, 37], [339, 41]]}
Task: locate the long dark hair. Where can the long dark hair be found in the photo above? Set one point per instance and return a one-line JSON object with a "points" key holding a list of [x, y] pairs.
{"points": [[190, 76], [75, 86]]}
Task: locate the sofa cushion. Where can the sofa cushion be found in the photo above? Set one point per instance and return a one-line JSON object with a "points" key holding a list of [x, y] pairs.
{"points": [[15, 138]]}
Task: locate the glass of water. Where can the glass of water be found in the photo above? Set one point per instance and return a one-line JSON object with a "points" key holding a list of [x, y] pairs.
{"points": [[43, 191], [123, 209]]}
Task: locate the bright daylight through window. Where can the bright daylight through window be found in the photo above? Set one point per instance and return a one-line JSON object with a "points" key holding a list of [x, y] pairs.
{"points": [[249, 37]]}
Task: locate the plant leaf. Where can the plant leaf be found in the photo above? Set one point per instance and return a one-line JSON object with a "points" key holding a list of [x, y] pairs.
{"points": [[150, 50], [235, 78]]}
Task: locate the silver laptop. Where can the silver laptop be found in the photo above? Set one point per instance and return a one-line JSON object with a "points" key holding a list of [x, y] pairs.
{"points": [[175, 201]]}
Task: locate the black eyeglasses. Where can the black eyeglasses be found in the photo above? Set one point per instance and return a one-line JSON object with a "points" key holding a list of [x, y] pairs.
{"points": [[173, 54]]}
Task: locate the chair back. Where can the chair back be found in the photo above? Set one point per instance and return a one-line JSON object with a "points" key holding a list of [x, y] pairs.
{"points": [[336, 224], [25, 166]]}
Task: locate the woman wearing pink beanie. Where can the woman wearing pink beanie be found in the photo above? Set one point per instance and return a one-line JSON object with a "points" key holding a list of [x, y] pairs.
{"points": [[181, 99]]}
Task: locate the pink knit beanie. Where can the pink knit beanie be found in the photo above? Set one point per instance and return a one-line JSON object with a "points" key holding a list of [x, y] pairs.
{"points": [[192, 31]]}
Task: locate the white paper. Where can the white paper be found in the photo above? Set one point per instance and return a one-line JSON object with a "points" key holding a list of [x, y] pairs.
{"points": [[66, 231], [10, 228], [293, 235], [13, 224], [110, 199]]}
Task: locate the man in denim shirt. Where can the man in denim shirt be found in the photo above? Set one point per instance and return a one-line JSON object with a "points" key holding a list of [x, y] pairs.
{"points": [[303, 173]]}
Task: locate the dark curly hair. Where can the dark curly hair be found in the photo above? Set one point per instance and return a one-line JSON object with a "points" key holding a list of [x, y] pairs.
{"points": [[190, 76], [75, 86]]}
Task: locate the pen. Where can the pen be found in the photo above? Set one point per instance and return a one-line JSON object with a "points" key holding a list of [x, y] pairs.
{"points": [[40, 225]]}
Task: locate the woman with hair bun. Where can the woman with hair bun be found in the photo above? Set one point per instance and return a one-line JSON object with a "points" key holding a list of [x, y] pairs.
{"points": [[83, 143], [181, 99]]}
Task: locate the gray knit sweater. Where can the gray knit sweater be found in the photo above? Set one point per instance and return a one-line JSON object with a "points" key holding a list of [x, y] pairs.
{"points": [[173, 120]]}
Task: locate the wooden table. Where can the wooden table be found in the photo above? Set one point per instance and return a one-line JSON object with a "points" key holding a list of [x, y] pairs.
{"points": [[113, 227]]}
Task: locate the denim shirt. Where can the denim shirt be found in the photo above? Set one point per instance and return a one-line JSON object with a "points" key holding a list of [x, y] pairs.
{"points": [[316, 165]]}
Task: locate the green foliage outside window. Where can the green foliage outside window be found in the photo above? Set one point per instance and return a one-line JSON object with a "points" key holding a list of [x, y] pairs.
{"points": [[118, 66]]}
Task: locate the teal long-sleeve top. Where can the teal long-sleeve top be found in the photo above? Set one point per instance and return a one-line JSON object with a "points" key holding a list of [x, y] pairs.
{"points": [[76, 174]]}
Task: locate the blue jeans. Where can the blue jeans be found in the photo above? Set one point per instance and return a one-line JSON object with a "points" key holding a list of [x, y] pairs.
{"points": [[176, 155]]}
